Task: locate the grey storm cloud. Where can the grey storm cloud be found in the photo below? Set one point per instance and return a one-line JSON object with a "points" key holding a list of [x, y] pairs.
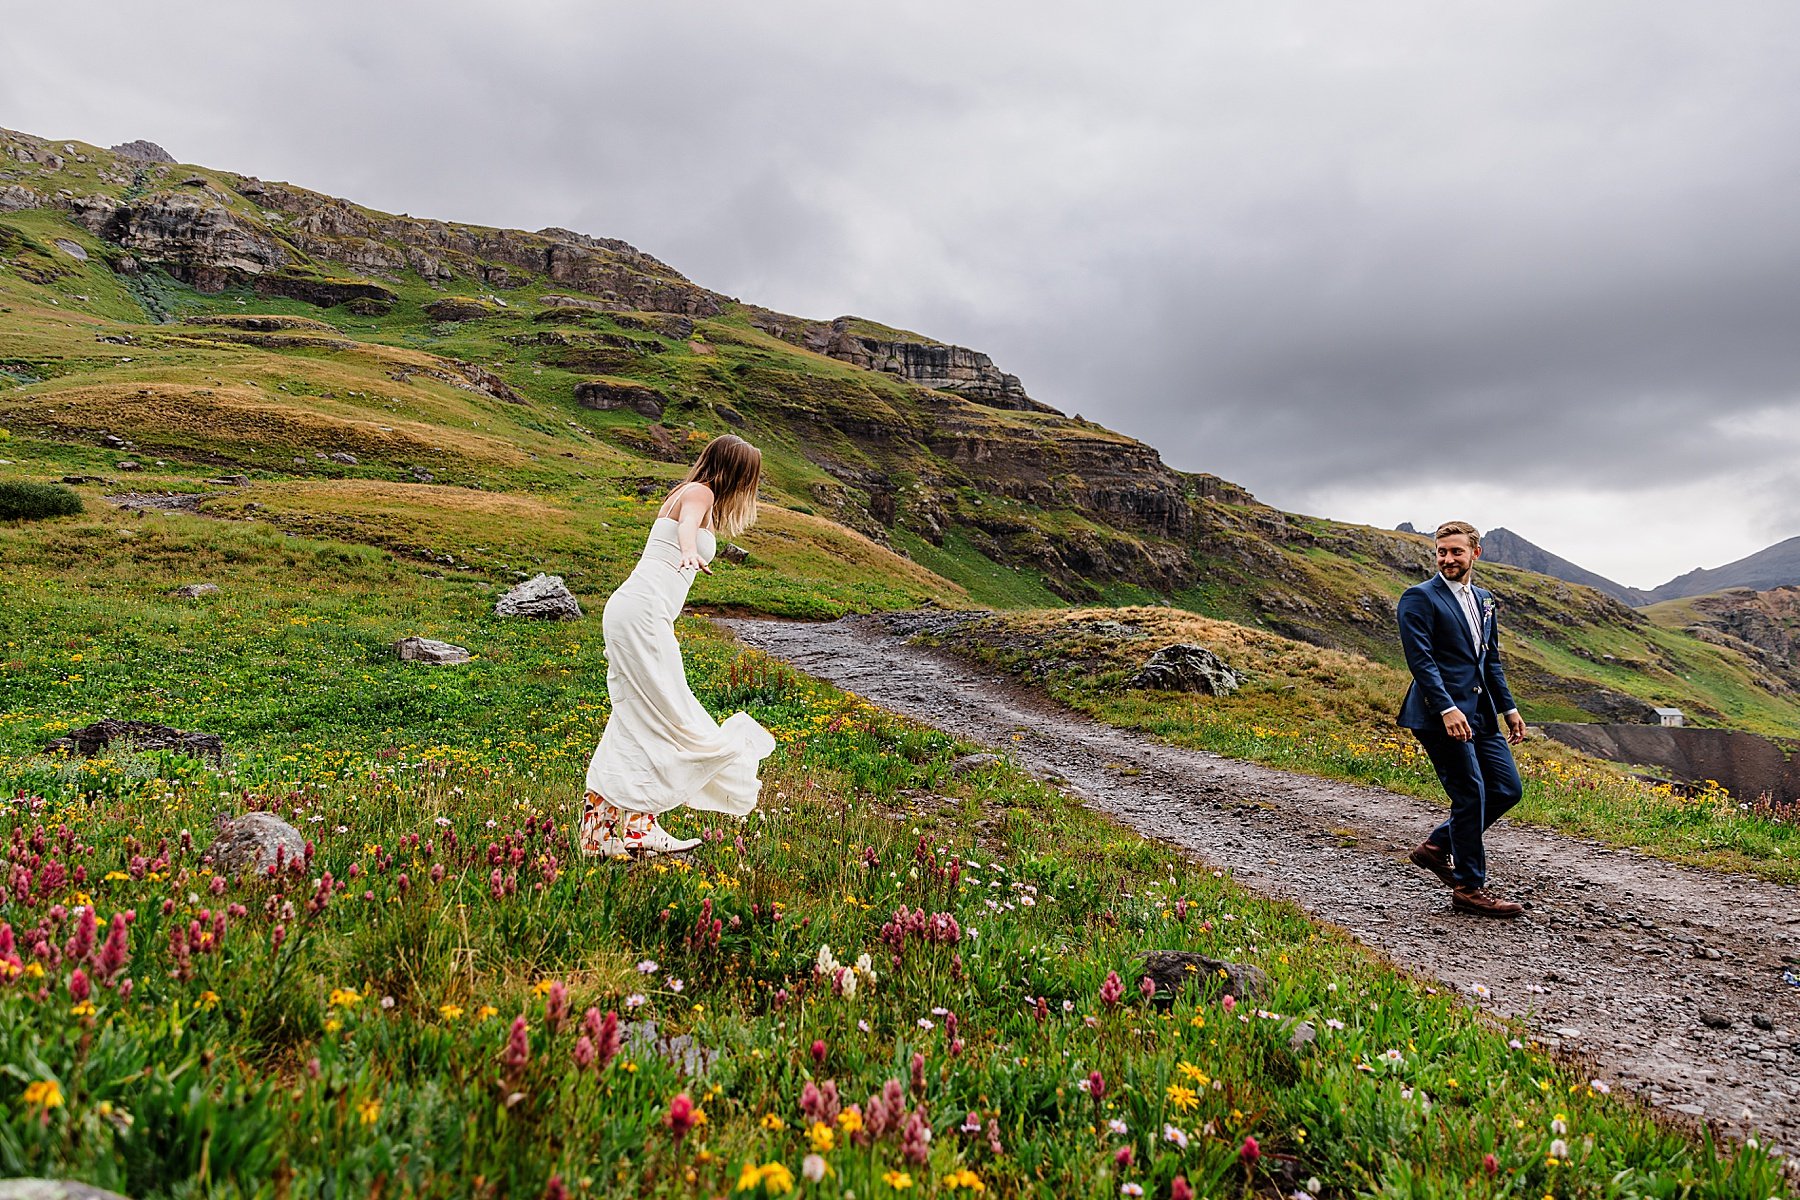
{"points": [[1315, 249]]}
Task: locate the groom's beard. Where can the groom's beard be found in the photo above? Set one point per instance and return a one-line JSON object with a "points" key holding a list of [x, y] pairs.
{"points": [[1454, 572]]}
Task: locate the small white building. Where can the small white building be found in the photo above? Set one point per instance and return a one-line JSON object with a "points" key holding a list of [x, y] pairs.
{"points": [[1668, 716]]}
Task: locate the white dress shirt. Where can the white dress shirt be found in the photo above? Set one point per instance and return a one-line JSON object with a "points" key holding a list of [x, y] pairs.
{"points": [[1471, 607]]}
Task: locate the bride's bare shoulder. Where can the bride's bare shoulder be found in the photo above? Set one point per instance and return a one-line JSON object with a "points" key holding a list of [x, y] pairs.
{"points": [[686, 495]]}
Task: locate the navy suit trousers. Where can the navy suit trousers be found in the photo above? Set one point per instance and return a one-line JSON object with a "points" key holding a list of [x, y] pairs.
{"points": [[1482, 782]]}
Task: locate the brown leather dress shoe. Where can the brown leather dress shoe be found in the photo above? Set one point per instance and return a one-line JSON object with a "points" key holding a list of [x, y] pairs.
{"points": [[1433, 859], [1483, 903]]}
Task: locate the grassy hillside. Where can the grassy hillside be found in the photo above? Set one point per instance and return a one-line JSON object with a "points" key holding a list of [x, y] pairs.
{"points": [[430, 389]]}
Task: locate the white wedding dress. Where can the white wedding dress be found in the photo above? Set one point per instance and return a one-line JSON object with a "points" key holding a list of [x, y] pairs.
{"points": [[660, 748]]}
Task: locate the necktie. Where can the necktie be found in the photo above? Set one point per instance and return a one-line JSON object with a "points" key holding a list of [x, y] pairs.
{"points": [[1468, 604]]}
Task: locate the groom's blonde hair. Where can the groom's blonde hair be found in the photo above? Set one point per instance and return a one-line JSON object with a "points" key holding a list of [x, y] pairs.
{"points": [[1463, 527]]}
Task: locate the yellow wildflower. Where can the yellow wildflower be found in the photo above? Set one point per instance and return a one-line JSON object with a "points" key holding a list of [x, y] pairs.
{"points": [[84, 1009], [773, 1122], [964, 1178], [344, 997], [821, 1137], [898, 1180], [850, 1121], [1183, 1098], [486, 1011], [333, 1025], [209, 999], [1192, 1073], [369, 1111], [776, 1178], [45, 1093], [450, 1011]]}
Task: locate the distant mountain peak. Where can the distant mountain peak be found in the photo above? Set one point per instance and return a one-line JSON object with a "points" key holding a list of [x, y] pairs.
{"points": [[1502, 545], [1772, 567]]}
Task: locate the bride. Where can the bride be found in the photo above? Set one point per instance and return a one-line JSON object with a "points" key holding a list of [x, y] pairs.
{"points": [[661, 749]]}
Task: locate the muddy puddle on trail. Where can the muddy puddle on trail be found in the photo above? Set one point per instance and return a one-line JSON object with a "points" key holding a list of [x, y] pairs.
{"points": [[1669, 980]]}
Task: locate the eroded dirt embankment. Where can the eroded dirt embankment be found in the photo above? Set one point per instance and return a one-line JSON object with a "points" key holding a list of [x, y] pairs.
{"points": [[1669, 979]]}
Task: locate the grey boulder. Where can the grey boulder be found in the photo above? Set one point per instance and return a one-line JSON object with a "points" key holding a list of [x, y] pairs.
{"points": [[255, 841], [968, 764], [1185, 667], [542, 597], [418, 649]]}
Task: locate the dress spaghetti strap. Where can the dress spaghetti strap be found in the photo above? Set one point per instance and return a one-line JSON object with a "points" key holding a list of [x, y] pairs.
{"points": [[667, 500]]}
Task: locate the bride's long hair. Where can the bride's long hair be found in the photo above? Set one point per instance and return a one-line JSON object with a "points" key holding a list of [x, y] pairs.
{"points": [[732, 468]]}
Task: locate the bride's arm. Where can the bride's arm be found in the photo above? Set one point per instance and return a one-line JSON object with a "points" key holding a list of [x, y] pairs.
{"points": [[695, 503]]}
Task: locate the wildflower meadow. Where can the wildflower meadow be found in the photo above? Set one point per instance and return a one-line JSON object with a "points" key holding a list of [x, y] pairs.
{"points": [[892, 980]]}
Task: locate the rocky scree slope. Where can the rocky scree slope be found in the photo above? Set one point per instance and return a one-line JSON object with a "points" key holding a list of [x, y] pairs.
{"points": [[1762, 626]]}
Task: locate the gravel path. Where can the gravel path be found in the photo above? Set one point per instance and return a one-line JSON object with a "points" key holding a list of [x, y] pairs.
{"points": [[1669, 979]]}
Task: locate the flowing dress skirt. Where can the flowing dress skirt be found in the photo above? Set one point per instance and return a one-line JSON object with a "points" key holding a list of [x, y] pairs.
{"points": [[661, 749]]}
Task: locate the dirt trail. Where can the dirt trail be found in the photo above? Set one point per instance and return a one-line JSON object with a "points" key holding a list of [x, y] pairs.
{"points": [[1669, 979]]}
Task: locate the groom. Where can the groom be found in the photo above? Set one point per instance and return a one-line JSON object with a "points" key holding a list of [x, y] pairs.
{"points": [[1455, 705]]}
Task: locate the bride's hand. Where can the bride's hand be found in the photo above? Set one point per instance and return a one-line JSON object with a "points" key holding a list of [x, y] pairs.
{"points": [[690, 560]]}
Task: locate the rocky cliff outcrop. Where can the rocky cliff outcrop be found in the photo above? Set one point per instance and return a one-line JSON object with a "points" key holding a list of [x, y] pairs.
{"points": [[143, 151], [196, 238], [936, 365], [618, 274], [213, 235], [1065, 464], [1763, 626]]}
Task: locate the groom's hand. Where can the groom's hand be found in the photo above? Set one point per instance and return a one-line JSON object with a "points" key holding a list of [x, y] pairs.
{"points": [[1457, 725], [1515, 728]]}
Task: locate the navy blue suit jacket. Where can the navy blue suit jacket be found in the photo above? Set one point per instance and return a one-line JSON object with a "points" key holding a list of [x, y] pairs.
{"points": [[1449, 668]]}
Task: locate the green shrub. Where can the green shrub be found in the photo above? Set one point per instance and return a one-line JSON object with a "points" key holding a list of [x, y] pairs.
{"points": [[29, 501]]}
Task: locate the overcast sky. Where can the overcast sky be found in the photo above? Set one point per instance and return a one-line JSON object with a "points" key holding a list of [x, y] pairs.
{"points": [[1534, 264]]}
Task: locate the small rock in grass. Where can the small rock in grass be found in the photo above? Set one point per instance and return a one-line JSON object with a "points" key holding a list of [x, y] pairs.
{"points": [[542, 597], [127, 465], [1714, 1019], [418, 649], [52, 1189], [1762, 1021], [343, 456], [1304, 1035], [1172, 970], [968, 764], [254, 841], [733, 553], [193, 591]]}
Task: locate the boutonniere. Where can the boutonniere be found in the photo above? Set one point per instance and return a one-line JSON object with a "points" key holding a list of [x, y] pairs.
{"points": [[1487, 608]]}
